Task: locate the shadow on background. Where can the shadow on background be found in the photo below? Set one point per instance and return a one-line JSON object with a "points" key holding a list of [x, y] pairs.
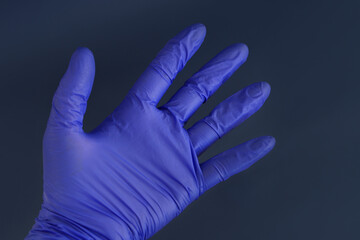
{"points": [[307, 188]]}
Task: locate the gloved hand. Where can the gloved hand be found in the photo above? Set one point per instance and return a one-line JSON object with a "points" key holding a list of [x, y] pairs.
{"points": [[139, 169]]}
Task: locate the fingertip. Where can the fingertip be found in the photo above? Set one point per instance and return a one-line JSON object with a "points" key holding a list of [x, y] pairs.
{"points": [[243, 49], [83, 53], [199, 27], [259, 90], [198, 32], [270, 141], [82, 61], [84, 50], [262, 144], [266, 88], [237, 52]]}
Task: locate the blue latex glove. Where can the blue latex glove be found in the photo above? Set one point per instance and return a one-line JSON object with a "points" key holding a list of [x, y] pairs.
{"points": [[139, 169]]}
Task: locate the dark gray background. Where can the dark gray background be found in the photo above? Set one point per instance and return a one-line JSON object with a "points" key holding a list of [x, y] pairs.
{"points": [[306, 188]]}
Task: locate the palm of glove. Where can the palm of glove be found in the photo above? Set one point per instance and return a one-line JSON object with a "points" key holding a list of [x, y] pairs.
{"points": [[139, 169], [118, 173]]}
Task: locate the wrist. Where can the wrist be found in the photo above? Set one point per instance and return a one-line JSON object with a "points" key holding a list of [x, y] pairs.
{"points": [[50, 225]]}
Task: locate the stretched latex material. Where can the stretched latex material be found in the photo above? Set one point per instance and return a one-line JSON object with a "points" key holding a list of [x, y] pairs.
{"points": [[139, 169]]}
